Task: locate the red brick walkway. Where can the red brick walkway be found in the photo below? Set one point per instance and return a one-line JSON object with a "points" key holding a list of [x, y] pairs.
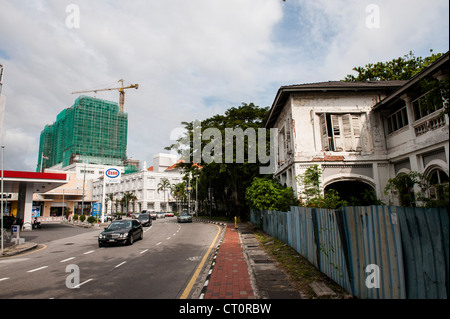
{"points": [[230, 278]]}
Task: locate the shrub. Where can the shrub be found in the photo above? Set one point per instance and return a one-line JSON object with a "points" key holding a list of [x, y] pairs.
{"points": [[268, 194], [91, 219]]}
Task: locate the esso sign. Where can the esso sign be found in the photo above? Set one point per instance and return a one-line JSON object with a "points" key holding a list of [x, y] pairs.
{"points": [[112, 175]]}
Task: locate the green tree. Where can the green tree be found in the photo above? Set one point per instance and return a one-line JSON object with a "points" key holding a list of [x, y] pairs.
{"points": [[163, 185], [402, 68], [310, 180], [411, 190], [403, 186], [127, 198], [436, 94], [228, 178], [268, 194], [312, 192], [179, 191]]}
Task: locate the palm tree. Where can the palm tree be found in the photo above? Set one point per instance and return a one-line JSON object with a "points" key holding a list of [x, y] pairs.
{"points": [[128, 197], [179, 192], [162, 186]]}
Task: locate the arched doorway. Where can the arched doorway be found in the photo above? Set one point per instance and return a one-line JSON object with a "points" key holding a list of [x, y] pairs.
{"points": [[356, 193]]}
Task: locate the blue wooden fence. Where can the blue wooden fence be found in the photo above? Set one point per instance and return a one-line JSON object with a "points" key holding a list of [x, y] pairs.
{"points": [[410, 247]]}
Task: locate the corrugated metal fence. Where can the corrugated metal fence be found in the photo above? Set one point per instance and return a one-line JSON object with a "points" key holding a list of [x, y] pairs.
{"points": [[408, 246]]}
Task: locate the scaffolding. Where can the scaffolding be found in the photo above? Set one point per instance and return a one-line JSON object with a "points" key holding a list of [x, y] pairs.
{"points": [[91, 131]]}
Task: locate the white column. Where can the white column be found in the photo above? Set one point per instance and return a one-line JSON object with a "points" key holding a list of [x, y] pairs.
{"points": [[25, 205]]}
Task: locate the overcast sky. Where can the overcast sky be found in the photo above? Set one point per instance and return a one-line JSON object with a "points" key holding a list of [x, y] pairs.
{"points": [[192, 59]]}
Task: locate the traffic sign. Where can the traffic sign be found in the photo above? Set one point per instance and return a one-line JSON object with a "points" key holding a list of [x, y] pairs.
{"points": [[96, 209]]}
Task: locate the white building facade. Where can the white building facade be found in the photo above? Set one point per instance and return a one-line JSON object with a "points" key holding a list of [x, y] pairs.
{"points": [[359, 133], [144, 186]]}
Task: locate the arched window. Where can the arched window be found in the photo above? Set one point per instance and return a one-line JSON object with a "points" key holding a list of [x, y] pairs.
{"points": [[438, 181]]}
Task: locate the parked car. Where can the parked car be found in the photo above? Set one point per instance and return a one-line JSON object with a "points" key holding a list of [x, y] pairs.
{"points": [[109, 217], [170, 214], [145, 220], [152, 215], [161, 215], [8, 222], [184, 217], [135, 215], [121, 232]]}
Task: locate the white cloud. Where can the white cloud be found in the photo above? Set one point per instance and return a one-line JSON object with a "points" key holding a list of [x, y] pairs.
{"points": [[348, 41], [192, 59], [18, 142]]}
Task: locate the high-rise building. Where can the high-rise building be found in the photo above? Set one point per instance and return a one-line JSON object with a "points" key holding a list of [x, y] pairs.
{"points": [[91, 131]]}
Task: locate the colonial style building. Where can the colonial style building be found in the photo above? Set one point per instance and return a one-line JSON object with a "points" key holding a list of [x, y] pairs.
{"points": [[144, 186], [361, 133]]}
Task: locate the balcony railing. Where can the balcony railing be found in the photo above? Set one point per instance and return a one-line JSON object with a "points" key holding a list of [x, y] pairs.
{"points": [[430, 124]]}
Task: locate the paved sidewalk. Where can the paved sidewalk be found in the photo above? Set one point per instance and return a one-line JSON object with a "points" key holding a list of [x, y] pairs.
{"points": [[243, 270], [230, 278]]}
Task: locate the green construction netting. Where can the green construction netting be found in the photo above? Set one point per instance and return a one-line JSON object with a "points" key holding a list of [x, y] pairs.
{"points": [[91, 131]]}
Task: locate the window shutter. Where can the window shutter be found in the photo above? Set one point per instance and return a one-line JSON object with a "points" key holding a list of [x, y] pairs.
{"points": [[288, 138], [324, 132], [356, 125], [338, 141], [347, 128]]}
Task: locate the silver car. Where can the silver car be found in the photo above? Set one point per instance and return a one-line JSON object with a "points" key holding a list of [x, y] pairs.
{"points": [[161, 215], [184, 217]]}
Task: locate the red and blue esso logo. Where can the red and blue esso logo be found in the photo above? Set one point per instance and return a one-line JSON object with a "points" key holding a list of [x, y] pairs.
{"points": [[112, 173]]}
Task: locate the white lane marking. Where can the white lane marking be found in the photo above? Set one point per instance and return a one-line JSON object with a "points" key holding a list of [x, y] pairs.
{"points": [[168, 238], [144, 251], [120, 264], [63, 261], [3, 279], [84, 282], [40, 268], [11, 261], [148, 229], [158, 243], [89, 252]]}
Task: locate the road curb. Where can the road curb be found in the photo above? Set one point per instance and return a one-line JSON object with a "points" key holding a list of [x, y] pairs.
{"points": [[211, 268], [18, 249], [210, 221], [201, 288]]}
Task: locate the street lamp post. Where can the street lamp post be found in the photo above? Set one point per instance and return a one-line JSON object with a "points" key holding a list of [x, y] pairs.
{"points": [[2, 228]]}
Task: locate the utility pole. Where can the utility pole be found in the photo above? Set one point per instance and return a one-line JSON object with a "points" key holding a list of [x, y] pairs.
{"points": [[2, 112], [82, 198], [2, 227]]}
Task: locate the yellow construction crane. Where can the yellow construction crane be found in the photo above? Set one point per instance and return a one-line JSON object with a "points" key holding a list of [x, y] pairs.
{"points": [[120, 89]]}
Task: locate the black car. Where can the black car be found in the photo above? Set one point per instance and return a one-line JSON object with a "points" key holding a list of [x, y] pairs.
{"points": [[121, 232], [8, 222], [145, 220]]}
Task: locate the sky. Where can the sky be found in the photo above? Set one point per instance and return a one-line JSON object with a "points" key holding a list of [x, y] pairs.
{"points": [[192, 59]]}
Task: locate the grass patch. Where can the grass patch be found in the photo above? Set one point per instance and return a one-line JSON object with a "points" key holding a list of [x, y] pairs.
{"points": [[300, 271]]}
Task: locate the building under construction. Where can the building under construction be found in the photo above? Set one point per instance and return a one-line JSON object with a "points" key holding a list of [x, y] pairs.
{"points": [[91, 131]]}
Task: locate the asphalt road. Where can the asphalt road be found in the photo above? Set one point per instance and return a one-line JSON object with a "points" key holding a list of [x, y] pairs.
{"points": [[158, 267]]}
